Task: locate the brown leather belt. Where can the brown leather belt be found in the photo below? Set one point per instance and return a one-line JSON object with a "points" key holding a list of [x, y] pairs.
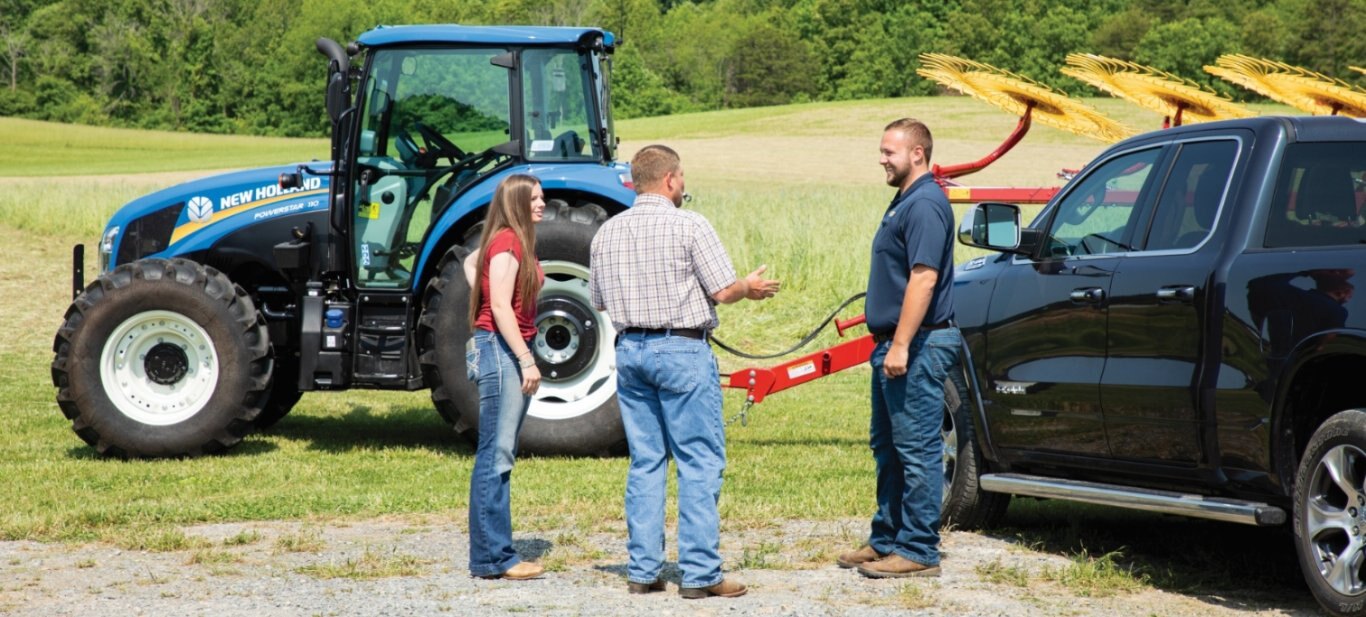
{"points": [[692, 333]]}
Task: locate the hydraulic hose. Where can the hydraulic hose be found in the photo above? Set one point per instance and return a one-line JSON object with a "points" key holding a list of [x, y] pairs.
{"points": [[799, 345]]}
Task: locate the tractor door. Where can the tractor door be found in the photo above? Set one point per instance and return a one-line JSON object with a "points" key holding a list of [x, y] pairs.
{"points": [[430, 123]]}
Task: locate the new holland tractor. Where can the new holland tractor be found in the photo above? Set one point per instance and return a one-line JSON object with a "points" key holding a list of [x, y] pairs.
{"points": [[220, 301]]}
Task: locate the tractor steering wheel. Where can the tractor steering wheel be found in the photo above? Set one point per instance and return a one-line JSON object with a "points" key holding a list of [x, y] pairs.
{"points": [[437, 144]]}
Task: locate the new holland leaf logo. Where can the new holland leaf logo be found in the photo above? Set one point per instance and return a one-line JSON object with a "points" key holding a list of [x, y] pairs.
{"points": [[201, 209]]}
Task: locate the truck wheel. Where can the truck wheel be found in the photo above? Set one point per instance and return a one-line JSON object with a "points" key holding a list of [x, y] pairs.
{"points": [[162, 358], [575, 412], [1330, 513], [966, 505]]}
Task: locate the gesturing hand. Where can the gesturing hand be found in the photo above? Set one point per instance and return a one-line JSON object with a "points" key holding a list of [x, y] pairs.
{"points": [[759, 287]]}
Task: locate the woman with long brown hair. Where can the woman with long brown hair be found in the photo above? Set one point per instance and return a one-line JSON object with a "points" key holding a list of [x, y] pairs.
{"points": [[506, 279]]}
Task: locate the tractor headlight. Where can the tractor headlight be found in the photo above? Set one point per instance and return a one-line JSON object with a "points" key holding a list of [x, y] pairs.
{"points": [[107, 248]]}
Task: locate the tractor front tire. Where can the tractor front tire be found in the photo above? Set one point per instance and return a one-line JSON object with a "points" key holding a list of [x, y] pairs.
{"points": [[162, 358]]}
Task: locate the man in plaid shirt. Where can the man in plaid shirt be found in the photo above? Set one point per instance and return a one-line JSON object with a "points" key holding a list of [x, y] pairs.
{"points": [[659, 272]]}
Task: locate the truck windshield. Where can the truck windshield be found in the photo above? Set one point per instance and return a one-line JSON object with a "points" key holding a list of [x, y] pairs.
{"points": [[559, 115]]}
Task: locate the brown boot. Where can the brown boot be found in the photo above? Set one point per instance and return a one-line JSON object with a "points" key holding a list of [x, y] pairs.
{"points": [[724, 589], [896, 566], [524, 570], [634, 587], [854, 559]]}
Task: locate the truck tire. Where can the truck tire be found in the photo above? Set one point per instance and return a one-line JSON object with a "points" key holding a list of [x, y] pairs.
{"points": [[966, 505], [162, 358], [1330, 513], [575, 412]]}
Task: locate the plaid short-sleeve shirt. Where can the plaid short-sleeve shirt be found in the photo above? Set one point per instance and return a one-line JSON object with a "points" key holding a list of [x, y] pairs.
{"points": [[657, 266]]}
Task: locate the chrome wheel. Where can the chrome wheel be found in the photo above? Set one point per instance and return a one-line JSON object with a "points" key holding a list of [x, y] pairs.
{"points": [[1335, 518], [949, 433]]}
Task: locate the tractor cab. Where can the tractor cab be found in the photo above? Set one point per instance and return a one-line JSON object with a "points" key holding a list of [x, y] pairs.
{"points": [[440, 110]]}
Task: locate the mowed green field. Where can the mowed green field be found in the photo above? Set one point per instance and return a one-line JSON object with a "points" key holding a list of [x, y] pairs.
{"points": [[797, 188]]}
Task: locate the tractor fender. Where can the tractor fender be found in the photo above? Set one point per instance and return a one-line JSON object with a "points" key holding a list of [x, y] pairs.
{"points": [[607, 182]]}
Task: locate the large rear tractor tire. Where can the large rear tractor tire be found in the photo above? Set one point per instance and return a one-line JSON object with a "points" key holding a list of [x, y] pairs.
{"points": [[162, 358], [575, 412], [966, 506], [1330, 514]]}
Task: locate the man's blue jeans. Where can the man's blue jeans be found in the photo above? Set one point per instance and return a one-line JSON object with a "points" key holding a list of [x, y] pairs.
{"points": [[502, 407], [670, 397], [908, 413]]}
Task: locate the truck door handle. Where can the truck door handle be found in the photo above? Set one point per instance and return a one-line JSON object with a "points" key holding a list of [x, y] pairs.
{"points": [[1088, 295], [1176, 293]]}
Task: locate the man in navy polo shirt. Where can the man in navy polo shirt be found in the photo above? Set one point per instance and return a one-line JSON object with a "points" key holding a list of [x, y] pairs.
{"points": [[909, 308]]}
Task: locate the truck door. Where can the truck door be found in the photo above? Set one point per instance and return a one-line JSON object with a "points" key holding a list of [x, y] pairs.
{"points": [[1161, 304], [1047, 319]]}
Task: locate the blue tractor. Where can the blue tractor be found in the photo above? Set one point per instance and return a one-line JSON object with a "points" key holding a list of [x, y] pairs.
{"points": [[220, 301]]}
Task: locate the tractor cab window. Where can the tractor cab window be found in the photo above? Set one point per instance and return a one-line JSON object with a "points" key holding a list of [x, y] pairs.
{"points": [[1098, 216], [430, 120], [558, 111]]}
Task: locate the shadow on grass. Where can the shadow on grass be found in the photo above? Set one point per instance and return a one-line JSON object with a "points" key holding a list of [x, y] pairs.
{"points": [[362, 428], [250, 446], [795, 442], [532, 549], [1229, 565]]}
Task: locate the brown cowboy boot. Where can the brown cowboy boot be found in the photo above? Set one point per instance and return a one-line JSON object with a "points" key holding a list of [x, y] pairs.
{"points": [[854, 559], [634, 587], [896, 566], [723, 589]]}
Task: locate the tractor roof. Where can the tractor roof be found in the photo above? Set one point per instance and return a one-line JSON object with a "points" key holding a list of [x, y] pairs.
{"points": [[383, 36]]}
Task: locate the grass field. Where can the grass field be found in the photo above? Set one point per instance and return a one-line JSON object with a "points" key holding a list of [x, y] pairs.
{"points": [[797, 188]]}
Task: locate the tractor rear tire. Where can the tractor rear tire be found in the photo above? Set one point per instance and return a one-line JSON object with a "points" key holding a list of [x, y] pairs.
{"points": [[162, 358], [575, 412]]}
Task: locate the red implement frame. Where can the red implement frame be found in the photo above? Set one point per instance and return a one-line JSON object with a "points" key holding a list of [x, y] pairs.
{"points": [[960, 194], [761, 382]]}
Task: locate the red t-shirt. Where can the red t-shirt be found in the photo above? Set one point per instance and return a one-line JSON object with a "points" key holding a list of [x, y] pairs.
{"points": [[506, 241]]}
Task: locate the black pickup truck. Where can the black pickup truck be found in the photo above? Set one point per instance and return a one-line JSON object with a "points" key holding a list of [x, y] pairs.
{"points": [[1177, 332]]}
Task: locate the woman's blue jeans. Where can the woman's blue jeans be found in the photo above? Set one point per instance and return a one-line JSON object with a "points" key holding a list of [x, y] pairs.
{"points": [[502, 408], [908, 447]]}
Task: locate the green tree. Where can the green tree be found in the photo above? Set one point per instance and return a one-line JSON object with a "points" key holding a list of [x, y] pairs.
{"points": [[1184, 48]]}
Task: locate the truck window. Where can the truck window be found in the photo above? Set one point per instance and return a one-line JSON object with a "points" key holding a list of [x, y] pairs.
{"points": [[1319, 195], [1098, 216], [1191, 195]]}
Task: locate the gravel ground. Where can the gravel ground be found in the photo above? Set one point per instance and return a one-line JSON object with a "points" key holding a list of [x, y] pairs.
{"points": [[417, 567]]}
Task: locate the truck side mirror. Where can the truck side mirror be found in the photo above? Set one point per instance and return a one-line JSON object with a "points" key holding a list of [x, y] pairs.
{"points": [[994, 226]]}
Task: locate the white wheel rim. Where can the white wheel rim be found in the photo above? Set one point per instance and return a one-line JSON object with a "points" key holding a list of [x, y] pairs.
{"points": [[123, 368], [590, 389]]}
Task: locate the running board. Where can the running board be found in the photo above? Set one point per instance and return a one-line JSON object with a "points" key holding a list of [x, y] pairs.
{"points": [[1186, 504]]}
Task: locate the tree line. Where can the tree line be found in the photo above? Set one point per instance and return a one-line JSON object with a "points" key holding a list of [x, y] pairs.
{"points": [[249, 67]]}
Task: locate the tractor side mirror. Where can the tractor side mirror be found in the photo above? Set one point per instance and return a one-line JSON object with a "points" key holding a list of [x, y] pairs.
{"points": [[338, 96]]}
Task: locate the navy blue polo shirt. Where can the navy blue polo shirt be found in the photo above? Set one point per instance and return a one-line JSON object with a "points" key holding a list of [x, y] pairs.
{"points": [[916, 229]]}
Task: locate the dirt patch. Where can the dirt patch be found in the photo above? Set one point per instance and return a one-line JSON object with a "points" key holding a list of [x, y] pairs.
{"points": [[417, 566]]}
